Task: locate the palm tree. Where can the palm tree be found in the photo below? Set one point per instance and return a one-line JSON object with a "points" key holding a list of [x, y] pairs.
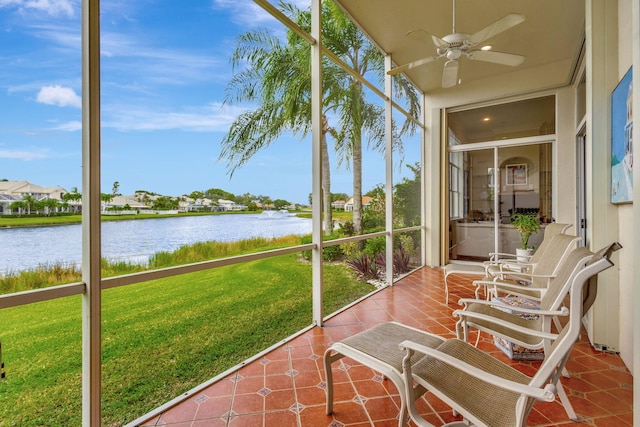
{"points": [[74, 197], [278, 78], [29, 202], [18, 205]]}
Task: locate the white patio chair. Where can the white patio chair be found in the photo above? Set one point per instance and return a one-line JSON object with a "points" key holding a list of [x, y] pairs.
{"points": [[531, 283], [507, 321], [484, 390], [500, 261]]}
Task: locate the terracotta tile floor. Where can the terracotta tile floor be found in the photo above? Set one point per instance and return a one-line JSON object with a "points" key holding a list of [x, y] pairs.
{"points": [[286, 387]]}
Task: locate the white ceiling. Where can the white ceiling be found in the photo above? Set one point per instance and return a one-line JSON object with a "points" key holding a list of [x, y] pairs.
{"points": [[552, 33]]}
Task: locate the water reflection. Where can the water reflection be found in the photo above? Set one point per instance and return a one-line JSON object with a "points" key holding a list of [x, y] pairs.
{"points": [[136, 240]]}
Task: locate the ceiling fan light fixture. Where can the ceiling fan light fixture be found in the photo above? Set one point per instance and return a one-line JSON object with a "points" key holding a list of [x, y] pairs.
{"points": [[453, 54], [486, 47]]}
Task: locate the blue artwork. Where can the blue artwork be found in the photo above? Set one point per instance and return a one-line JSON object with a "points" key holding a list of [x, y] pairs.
{"points": [[621, 141]]}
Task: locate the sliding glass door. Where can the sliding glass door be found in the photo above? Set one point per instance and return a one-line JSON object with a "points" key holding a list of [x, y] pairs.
{"points": [[490, 180]]}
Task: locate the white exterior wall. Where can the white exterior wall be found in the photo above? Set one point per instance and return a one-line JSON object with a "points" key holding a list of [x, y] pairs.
{"points": [[635, 282], [625, 212]]}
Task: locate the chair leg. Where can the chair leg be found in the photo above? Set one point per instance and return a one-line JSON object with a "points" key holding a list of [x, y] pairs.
{"points": [[412, 394], [446, 290], [562, 394], [328, 360], [556, 322]]}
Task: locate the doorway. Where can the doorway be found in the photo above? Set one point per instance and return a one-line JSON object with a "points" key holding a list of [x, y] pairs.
{"points": [[500, 161]]}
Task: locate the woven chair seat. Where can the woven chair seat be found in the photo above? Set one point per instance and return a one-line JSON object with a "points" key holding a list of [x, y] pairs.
{"points": [[383, 342], [379, 349], [490, 403]]}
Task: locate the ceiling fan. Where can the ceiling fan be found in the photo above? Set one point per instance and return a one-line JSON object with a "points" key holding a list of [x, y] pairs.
{"points": [[455, 45]]}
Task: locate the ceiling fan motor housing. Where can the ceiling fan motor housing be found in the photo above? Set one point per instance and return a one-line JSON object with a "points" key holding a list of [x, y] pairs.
{"points": [[456, 39]]}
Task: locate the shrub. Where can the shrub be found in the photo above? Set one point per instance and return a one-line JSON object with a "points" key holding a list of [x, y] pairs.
{"points": [[381, 260], [407, 244], [331, 253], [350, 249], [364, 266], [347, 228], [374, 246], [400, 261]]}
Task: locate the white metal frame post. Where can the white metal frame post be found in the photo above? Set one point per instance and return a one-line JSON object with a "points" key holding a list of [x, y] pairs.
{"points": [[91, 301], [388, 118], [635, 20], [423, 181], [316, 159]]}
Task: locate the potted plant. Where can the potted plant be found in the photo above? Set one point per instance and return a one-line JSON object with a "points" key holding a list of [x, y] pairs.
{"points": [[526, 224]]}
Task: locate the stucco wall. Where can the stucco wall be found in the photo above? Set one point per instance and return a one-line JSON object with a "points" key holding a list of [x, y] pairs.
{"points": [[625, 212]]}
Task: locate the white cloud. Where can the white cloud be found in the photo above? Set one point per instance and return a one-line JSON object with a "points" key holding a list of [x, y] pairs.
{"points": [[245, 13], [212, 118], [23, 155], [250, 14], [156, 64], [71, 126], [60, 96], [50, 7]]}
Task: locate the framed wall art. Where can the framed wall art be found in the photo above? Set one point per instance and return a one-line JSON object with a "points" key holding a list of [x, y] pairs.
{"points": [[621, 141], [517, 174]]}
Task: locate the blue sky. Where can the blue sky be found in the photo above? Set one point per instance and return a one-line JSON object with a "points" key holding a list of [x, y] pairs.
{"points": [[165, 66]]}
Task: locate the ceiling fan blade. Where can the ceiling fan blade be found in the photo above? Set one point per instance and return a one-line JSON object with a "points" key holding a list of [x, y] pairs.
{"points": [[425, 37], [496, 57], [450, 74], [411, 65], [502, 24]]}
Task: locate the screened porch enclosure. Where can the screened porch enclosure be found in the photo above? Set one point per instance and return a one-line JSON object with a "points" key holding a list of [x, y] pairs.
{"points": [[499, 142], [297, 271]]}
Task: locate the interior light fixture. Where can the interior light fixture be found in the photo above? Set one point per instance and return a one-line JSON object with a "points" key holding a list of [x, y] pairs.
{"points": [[487, 47], [486, 119]]}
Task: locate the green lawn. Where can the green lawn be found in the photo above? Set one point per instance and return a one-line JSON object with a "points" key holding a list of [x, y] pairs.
{"points": [[160, 338]]}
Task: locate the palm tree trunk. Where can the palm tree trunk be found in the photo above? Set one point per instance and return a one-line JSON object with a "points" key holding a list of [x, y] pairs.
{"points": [[357, 184], [326, 180]]}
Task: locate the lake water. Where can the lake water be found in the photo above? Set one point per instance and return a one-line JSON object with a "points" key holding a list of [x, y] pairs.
{"points": [[135, 241]]}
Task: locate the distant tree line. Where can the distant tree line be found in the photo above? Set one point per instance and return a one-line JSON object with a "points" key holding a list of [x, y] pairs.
{"points": [[70, 202]]}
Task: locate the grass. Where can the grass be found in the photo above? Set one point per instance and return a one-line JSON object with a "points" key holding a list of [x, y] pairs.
{"points": [[56, 274], [160, 338]]}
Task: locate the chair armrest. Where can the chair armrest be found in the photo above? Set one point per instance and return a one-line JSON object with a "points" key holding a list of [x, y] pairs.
{"points": [[564, 311], [469, 316], [505, 256], [509, 287], [526, 276], [497, 256], [547, 394], [517, 261], [515, 288], [509, 266]]}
